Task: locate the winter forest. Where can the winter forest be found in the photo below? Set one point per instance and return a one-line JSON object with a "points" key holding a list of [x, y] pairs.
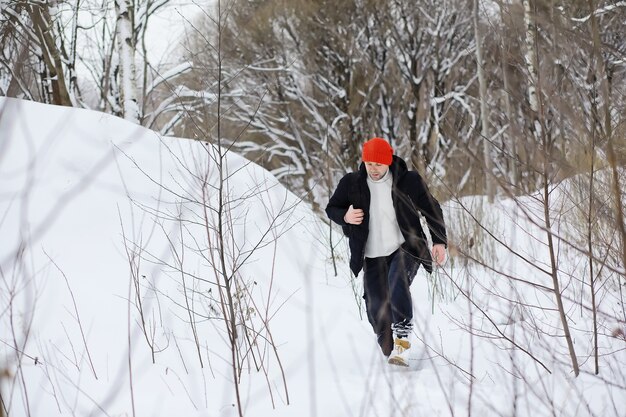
{"points": [[514, 111]]}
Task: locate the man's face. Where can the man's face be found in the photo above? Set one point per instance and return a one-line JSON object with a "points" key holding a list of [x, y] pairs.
{"points": [[375, 170]]}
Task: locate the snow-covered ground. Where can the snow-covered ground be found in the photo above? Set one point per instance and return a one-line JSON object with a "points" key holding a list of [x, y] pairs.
{"points": [[97, 213]]}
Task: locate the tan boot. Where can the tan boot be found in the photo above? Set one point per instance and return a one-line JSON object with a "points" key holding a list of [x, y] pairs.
{"points": [[400, 353]]}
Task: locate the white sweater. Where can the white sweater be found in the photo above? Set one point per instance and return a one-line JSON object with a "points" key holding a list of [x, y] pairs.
{"points": [[384, 233]]}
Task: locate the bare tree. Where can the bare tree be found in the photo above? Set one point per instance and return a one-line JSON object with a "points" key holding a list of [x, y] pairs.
{"points": [[31, 33], [55, 50], [210, 224], [484, 116], [318, 84]]}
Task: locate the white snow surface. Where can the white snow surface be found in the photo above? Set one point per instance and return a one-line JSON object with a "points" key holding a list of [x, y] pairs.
{"points": [[74, 182]]}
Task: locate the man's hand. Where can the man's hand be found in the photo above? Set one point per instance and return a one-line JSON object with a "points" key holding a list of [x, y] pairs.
{"points": [[439, 254], [353, 216]]}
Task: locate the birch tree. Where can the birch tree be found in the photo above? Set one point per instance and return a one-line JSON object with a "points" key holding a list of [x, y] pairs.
{"points": [[126, 45], [54, 51]]}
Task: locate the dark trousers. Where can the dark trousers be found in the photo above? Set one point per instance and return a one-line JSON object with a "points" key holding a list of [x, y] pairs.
{"points": [[386, 282]]}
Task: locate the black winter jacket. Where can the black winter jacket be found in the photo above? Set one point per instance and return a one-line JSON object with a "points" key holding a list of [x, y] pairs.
{"points": [[410, 195]]}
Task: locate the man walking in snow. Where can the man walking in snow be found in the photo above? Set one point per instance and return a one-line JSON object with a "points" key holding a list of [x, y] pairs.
{"points": [[378, 208]]}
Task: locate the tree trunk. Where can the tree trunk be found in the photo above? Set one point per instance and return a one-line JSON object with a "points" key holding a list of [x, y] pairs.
{"points": [[517, 153], [530, 56], [17, 85], [484, 116], [55, 79], [421, 126], [542, 137], [605, 90], [126, 46]]}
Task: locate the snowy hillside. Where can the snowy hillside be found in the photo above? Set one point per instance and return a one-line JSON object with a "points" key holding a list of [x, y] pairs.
{"points": [[109, 304]]}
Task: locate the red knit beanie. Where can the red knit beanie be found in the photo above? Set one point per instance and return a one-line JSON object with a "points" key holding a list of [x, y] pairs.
{"points": [[377, 150]]}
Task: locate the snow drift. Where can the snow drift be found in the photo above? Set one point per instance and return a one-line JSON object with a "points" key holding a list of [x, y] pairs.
{"points": [[109, 303]]}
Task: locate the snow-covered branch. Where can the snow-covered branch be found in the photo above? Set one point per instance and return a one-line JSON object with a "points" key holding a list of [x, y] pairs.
{"points": [[599, 12]]}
